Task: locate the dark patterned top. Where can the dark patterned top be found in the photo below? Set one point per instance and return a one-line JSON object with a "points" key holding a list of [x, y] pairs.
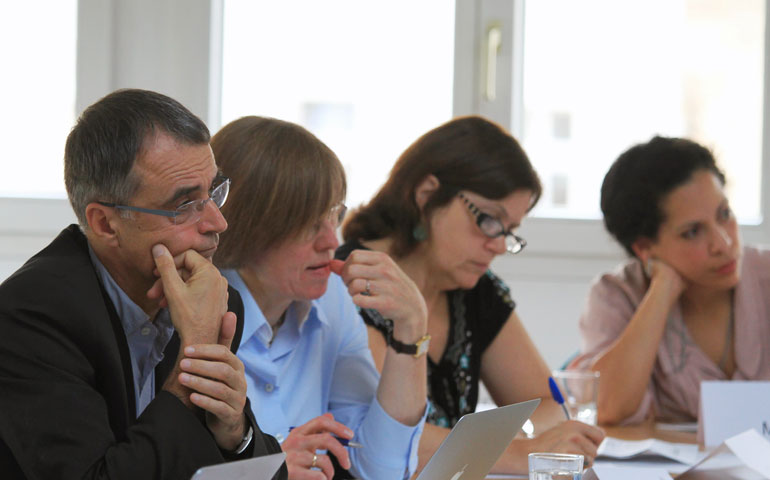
{"points": [[476, 317]]}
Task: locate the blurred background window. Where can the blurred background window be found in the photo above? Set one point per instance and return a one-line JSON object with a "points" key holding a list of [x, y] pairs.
{"points": [[37, 92], [367, 78], [602, 75]]}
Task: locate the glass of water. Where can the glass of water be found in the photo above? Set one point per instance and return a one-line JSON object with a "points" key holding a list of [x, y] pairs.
{"points": [[555, 466], [580, 388]]}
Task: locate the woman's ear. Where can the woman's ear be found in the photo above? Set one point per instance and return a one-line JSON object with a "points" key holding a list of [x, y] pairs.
{"points": [[425, 189], [643, 249]]}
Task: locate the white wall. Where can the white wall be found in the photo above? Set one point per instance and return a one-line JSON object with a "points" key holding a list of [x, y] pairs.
{"points": [[549, 291], [27, 225]]}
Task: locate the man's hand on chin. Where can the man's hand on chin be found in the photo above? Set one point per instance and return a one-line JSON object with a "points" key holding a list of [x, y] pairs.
{"points": [[208, 375], [196, 297]]}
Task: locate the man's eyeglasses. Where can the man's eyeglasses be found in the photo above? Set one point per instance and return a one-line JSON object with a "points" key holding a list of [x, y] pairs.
{"points": [[188, 212], [492, 227]]}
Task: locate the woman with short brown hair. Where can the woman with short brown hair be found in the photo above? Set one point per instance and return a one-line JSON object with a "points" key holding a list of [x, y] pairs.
{"points": [[304, 346]]}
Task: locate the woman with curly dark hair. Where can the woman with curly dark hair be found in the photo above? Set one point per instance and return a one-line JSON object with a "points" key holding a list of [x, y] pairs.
{"points": [[691, 305]]}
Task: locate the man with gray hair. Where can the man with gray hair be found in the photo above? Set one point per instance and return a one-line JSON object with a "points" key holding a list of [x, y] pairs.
{"points": [[118, 339]]}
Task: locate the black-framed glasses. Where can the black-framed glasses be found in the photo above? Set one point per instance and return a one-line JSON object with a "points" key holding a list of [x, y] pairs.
{"points": [[188, 212], [492, 227]]}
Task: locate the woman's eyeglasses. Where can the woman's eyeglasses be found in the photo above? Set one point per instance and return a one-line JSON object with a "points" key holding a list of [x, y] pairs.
{"points": [[492, 227]]}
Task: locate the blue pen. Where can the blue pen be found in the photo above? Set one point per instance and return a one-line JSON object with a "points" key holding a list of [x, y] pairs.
{"points": [[348, 443], [344, 441], [556, 394]]}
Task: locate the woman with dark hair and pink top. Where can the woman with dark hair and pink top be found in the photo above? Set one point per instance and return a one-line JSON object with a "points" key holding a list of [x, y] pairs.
{"points": [[692, 304]]}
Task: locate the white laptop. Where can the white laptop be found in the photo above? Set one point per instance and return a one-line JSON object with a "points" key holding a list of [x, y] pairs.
{"points": [[476, 442], [258, 468]]}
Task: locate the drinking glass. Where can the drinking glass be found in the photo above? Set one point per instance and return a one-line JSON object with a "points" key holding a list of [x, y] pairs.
{"points": [[580, 389], [555, 466]]}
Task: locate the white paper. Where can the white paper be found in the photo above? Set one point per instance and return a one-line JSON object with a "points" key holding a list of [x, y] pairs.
{"points": [[746, 455], [662, 463], [625, 449], [612, 472], [729, 408], [752, 449]]}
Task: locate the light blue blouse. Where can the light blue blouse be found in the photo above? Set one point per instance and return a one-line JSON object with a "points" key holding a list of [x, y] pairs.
{"points": [[320, 362]]}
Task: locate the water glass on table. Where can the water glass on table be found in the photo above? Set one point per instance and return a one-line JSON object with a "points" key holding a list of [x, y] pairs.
{"points": [[555, 466], [580, 389]]}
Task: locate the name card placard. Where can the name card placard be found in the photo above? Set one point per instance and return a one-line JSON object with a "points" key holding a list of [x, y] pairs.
{"points": [[729, 408], [746, 455]]}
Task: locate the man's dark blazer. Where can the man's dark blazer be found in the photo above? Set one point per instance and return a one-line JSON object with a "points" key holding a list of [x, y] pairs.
{"points": [[67, 402]]}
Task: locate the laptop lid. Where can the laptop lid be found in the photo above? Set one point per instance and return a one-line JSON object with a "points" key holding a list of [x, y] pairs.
{"points": [[258, 468], [476, 442]]}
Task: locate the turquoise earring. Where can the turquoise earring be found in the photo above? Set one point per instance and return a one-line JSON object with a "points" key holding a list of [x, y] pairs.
{"points": [[419, 233]]}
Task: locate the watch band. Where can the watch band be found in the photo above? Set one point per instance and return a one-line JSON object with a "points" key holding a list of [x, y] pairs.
{"points": [[245, 443], [417, 349]]}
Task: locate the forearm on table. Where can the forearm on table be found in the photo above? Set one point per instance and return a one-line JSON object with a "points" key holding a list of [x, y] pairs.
{"points": [[514, 458], [627, 365], [547, 415], [431, 439]]}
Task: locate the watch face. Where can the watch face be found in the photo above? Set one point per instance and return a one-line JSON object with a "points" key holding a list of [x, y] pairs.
{"points": [[422, 347]]}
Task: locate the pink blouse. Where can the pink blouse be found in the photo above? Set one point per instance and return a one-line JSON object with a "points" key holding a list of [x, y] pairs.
{"points": [[673, 393]]}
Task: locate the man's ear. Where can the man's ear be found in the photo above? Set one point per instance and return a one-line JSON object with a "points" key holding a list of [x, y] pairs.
{"points": [[643, 249], [103, 224], [425, 189]]}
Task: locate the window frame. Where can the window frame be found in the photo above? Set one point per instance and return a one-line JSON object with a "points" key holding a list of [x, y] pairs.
{"points": [[558, 237], [107, 34], [120, 45]]}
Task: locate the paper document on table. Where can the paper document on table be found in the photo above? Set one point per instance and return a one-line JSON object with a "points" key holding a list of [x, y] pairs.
{"points": [[626, 449], [742, 456], [612, 472]]}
